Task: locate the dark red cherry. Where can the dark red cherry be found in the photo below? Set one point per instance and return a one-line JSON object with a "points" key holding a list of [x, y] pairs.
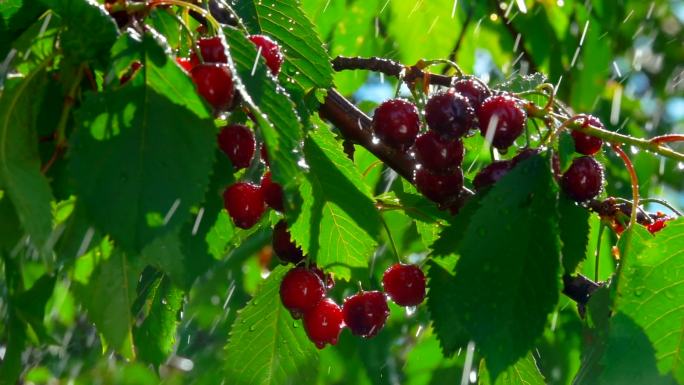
{"points": [[273, 192], [324, 323], [475, 91], [365, 313], [583, 180], [439, 187], [524, 154], [449, 113], [587, 144], [438, 153], [396, 123], [283, 245], [404, 284], [264, 154], [212, 50], [215, 83], [505, 116], [237, 141], [491, 174], [270, 50], [245, 204], [301, 290]]}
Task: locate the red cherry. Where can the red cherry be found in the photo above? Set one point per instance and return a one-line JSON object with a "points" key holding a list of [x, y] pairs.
{"points": [[186, 63], [396, 122], [405, 284], [506, 117], [273, 192], [439, 187], [449, 113], [283, 246], [438, 153], [587, 144], [212, 50], [491, 174], [245, 204], [473, 90], [365, 313], [215, 83], [324, 323], [301, 290], [583, 180], [658, 225], [237, 141], [270, 50]]}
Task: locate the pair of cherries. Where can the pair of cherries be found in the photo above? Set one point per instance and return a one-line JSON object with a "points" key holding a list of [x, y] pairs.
{"points": [[302, 292], [211, 74]]}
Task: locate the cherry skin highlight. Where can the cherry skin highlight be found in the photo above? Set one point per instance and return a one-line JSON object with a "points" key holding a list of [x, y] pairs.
{"points": [[449, 113], [396, 122], [324, 323], [270, 51], [283, 245], [365, 313], [215, 83], [404, 284], [438, 153], [237, 141], [301, 290], [212, 50], [505, 116], [583, 180], [245, 204]]}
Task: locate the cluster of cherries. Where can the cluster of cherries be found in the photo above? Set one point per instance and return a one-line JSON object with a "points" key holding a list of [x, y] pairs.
{"points": [[211, 74], [451, 115], [303, 292]]}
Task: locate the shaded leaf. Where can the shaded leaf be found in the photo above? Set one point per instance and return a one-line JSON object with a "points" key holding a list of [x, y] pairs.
{"points": [[441, 302], [143, 153], [574, 232], [20, 175]]}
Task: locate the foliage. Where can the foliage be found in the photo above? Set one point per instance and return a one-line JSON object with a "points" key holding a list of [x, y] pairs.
{"points": [[120, 264]]}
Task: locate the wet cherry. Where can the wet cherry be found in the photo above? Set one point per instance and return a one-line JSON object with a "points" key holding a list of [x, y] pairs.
{"points": [[365, 313], [324, 323], [404, 284], [237, 141], [301, 290], [245, 204]]}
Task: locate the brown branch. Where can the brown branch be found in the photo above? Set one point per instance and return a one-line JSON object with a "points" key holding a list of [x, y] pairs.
{"points": [[389, 67]]}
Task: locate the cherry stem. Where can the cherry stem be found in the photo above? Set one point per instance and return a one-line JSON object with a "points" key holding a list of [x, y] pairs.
{"points": [[667, 138], [634, 181], [214, 24], [391, 239], [560, 128], [597, 253], [663, 203]]}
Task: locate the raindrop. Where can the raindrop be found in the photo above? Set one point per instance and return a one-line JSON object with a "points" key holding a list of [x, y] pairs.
{"points": [[252, 328], [410, 310], [639, 291]]}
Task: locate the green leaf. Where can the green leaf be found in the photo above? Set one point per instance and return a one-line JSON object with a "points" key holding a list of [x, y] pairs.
{"points": [[508, 272], [106, 286], [29, 305], [441, 302], [142, 154], [306, 61], [266, 345], [278, 122], [523, 372], [20, 175], [338, 224], [15, 17], [10, 228], [156, 336], [89, 30], [574, 232], [648, 300]]}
